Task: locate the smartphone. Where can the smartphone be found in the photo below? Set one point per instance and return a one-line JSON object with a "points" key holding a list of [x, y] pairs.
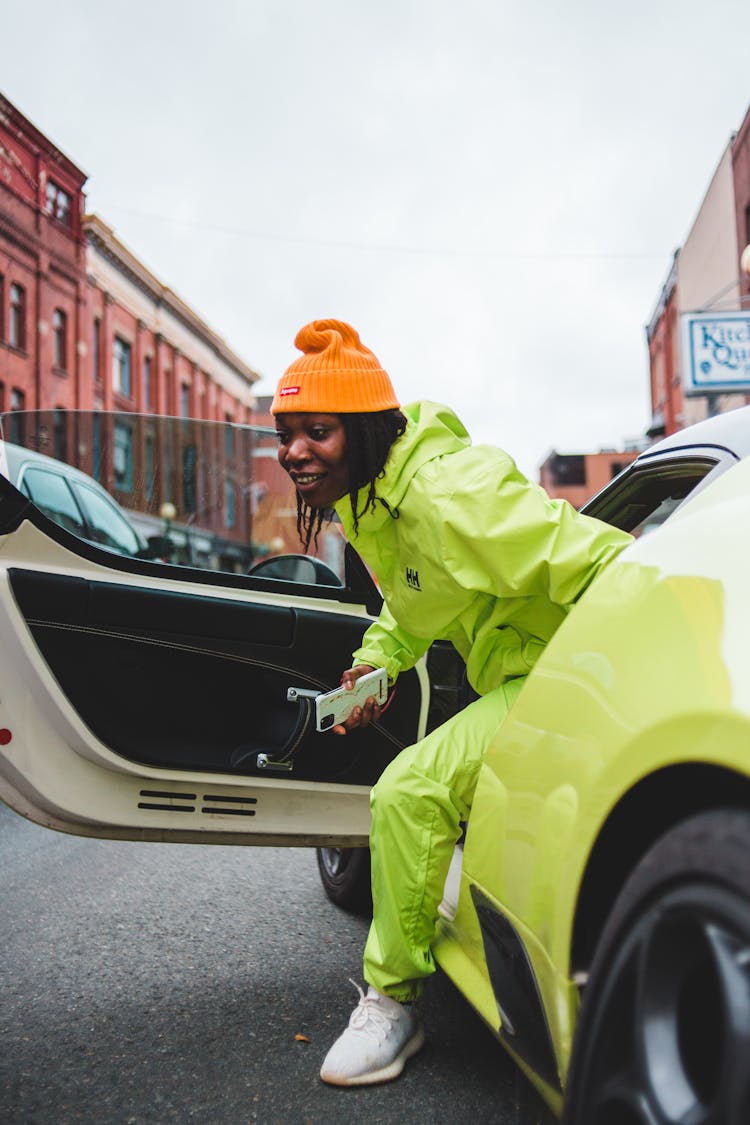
{"points": [[335, 706]]}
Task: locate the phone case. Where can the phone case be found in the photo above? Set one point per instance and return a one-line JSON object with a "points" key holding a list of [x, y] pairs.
{"points": [[335, 706]]}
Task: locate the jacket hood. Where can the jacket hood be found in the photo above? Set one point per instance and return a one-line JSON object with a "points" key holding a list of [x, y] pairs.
{"points": [[432, 430]]}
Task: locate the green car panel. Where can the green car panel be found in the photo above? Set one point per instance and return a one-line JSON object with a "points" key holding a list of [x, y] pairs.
{"points": [[649, 674]]}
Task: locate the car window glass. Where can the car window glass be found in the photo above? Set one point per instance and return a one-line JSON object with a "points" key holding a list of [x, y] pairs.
{"points": [[52, 496], [643, 498], [105, 523], [655, 519], [201, 494]]}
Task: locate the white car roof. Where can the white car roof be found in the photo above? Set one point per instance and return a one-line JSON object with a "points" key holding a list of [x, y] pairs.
{"points": [[17, 457], [730, 430]]}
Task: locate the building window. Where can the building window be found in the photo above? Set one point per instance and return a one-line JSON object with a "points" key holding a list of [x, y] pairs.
{"points": [[58, 203], [568, 468], [189, 462], [97, 448], [149, 467], [123, 458], [60, 434], [202, 496], [60, 339], [185, 400], [147, 382], [96, 351], [17, 326], [121, 353], [228, 436], [17, 421], [230, 514], [168, 461], [167, 392]]}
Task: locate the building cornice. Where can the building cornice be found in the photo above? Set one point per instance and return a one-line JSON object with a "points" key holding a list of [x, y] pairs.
{"points": [[667, 290], [103, 239], [30, 135]]}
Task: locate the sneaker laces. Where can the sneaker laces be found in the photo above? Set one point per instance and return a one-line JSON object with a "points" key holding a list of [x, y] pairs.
{"points": [[370, 1019]]}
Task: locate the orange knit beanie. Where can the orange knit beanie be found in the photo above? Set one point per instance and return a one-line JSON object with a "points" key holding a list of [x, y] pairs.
{"points": [[336, 374]]}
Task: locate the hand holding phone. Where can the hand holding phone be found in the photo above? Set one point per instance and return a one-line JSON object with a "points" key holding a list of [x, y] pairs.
{"points": [[334, 707]]}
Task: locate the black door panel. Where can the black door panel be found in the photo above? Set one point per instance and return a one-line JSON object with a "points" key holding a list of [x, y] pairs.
{"points": [[112, 606], [187, 682]]}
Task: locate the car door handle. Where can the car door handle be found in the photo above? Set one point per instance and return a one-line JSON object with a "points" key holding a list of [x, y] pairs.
{"points": [[283, 759]]}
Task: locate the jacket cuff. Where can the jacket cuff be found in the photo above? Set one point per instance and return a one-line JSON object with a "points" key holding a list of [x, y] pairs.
{"points": [[375, 659]]}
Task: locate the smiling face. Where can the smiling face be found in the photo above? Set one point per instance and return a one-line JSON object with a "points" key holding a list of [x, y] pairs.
{"points": [[312, 449]]}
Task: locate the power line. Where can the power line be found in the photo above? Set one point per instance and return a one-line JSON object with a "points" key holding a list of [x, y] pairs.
{"points": [[385, 248]]}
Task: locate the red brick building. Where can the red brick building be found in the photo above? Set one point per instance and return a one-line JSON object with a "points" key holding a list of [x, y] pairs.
{"points": [[705, 276], [576, 477], [43, 288], [147, 350], [150, 353], [664, 360], [741, 176], [83, 323], [85, 326]]}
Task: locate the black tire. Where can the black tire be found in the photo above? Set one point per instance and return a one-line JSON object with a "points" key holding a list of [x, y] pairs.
{"points": [[345, 875], [664, 1030]]}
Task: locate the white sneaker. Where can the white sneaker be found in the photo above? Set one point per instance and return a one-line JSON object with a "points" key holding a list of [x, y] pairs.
{"points": [[382, 1034]]}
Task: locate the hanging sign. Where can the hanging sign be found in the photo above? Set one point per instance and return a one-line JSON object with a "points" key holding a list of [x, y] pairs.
{"points": [[715, 352]]}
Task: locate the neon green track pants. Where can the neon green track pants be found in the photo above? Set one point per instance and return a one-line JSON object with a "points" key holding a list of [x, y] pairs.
{"points": [[417, 806]]}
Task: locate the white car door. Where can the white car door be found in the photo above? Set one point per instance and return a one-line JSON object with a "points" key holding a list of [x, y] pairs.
{"points": [[145, 700]]}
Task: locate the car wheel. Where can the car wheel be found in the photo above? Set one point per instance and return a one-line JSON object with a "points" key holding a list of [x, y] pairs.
{"points": [[664, 1029], [345, 875]]}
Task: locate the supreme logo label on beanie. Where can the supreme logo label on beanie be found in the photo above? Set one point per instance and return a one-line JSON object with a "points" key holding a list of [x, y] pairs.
{"points": [[336, 374]]}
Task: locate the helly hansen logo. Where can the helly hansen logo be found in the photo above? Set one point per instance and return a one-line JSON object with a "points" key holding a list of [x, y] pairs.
{"points": [[412, 578]]}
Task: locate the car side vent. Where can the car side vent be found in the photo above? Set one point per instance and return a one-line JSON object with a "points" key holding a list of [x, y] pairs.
{"points": [[159, 797], [165, 800], [231, 805]]}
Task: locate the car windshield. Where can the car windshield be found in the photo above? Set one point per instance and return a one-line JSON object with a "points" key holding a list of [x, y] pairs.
{"points": [[106, 524], [52, 495], [191, 493]]}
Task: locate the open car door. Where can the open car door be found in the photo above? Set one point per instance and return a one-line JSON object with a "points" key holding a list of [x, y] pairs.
{"points": [[159, 691]]}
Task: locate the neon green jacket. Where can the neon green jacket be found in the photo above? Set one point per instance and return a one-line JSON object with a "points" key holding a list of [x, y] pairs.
{"points": [[467, 550]]}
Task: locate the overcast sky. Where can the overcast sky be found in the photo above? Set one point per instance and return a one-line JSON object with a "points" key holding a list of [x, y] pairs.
{"points": [[491, 192]]}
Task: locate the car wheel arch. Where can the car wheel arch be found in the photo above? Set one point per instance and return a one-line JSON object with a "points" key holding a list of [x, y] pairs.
{"points": [[654, 805], [665, 1021]]}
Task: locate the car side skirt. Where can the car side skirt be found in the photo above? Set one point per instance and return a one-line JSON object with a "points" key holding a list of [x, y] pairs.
{"points": [[524, 1026]]}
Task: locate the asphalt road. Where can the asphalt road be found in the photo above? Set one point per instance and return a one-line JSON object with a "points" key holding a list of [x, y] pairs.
{"points": [[166, 983]]}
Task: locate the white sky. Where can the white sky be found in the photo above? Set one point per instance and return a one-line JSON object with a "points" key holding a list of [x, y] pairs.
{"points": [[489, 190]]}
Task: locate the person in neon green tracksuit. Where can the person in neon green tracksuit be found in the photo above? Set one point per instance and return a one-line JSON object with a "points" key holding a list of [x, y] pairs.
{"points": [[464, 549]]}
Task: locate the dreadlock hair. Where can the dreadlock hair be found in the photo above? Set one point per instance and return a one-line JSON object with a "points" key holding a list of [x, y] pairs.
{"points": [[369, 438]]}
